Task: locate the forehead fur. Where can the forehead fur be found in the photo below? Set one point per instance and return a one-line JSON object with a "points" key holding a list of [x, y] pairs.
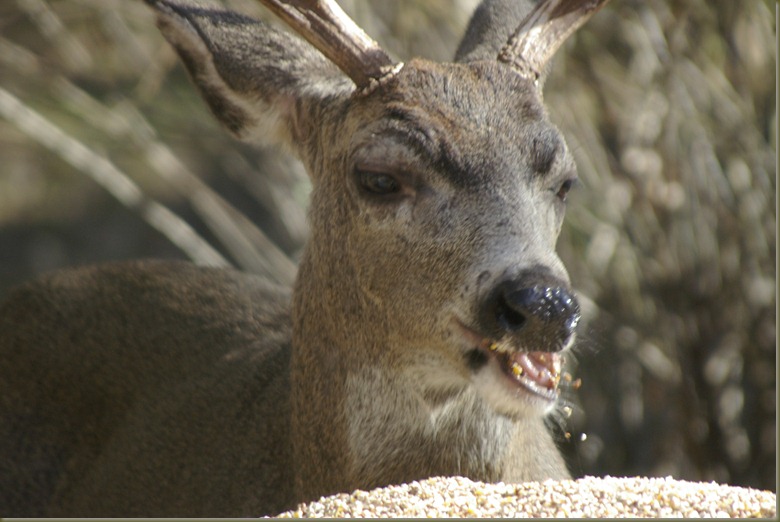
{"points": [[481, 92], [472, 119]]}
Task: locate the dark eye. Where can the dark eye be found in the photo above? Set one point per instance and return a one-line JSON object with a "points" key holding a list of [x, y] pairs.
{"points": [[377, 183], [564, 189]]}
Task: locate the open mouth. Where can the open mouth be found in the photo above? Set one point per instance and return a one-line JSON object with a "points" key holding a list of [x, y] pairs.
{"points": [[537, 372]]}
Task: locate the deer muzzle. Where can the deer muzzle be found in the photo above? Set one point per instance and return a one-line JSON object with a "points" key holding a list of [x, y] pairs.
{"points": [[534, 313], [526, 322]]}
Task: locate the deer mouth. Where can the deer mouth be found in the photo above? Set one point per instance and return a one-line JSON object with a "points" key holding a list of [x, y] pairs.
{"points": [[535, 372]]}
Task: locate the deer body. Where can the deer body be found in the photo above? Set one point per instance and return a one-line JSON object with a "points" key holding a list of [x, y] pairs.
{"points": [[159, 442], [421, 338]]}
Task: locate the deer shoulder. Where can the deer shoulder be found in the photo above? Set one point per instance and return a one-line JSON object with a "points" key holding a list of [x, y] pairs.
{"points": [[130, 388]]}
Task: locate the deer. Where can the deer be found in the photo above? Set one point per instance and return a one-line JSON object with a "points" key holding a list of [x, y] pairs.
{"points": [[428, 323]]}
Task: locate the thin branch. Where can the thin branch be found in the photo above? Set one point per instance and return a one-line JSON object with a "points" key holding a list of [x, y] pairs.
{"points": [[248, 245], [107, 175]]}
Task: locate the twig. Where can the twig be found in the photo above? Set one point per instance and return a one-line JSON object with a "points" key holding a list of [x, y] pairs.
{"points": [[107, 175]]}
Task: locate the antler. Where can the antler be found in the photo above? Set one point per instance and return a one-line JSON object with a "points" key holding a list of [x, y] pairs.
{"points": [[324, 25], [543, 31]]}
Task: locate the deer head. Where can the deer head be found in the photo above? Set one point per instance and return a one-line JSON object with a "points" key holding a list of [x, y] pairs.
{"points": [[430, 290]]}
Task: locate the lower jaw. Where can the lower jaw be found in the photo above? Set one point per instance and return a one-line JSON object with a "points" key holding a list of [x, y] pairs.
{"points": [[518, 369], [534, 390], [508, 396], [519, 393]]}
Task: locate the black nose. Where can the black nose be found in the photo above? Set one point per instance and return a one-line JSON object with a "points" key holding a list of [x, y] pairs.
{"points": [[540, 314]]}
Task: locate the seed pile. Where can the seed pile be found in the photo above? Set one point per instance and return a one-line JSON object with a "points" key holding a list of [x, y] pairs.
{"points": [[588, 497]]}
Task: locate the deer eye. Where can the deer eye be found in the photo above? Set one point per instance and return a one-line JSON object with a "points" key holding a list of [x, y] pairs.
{"points": [[377, 183], [564, 189]]}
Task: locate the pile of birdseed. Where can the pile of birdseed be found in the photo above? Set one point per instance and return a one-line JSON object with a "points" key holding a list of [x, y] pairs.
{"points": [[588, 497]]}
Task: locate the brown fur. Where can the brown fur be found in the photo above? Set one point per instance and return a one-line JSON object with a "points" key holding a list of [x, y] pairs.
{"points": [[162, 389]]}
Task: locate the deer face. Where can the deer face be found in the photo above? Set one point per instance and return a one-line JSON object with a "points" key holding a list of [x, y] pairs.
{"points": [[452, 187], [438, 191]]}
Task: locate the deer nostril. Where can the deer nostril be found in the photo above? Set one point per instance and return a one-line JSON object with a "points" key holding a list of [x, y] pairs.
{"points": [[542, 316], [510, 314]]}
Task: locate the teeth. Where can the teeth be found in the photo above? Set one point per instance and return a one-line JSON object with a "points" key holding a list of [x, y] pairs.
{"points": [[538, 371], [494, 346], [532, 369]]}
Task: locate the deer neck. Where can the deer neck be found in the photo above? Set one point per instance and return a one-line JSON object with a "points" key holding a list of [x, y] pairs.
{"points": [[326, 342], [361, 416]]}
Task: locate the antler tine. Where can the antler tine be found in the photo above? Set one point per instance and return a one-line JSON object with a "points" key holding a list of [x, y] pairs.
{"points": [[543, 31], [328, 28]]}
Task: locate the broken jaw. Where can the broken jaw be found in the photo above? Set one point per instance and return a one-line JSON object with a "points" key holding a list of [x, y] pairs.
{"points": [[537, 372]]}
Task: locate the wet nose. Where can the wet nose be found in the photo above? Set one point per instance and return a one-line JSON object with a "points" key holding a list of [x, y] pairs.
{"points": [[538, 313]]}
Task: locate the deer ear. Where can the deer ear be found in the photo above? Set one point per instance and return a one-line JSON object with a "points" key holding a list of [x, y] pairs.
{"points": [[262, 84], [538, 29], [490, 27]]}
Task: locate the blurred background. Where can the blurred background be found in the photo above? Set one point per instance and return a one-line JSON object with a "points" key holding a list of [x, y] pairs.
{"points": [[107, 152]]}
